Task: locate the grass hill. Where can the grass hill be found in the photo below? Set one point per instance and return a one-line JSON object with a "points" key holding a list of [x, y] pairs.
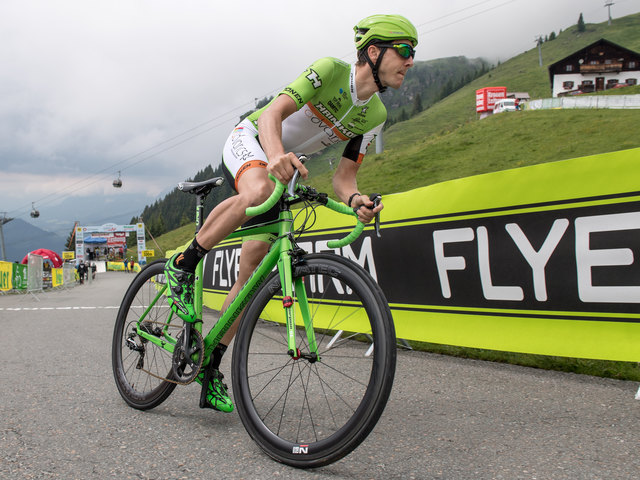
{"points": [[446, 141]]}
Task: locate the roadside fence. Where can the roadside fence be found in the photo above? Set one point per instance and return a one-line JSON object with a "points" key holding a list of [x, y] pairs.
{"points": [[596, 101]]}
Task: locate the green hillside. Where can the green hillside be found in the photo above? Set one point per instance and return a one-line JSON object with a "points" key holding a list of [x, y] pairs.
{"points": [[497, 143], [447, 141]]}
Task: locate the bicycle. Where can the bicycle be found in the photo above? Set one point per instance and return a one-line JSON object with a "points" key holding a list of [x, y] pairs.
{"points": [[314, 357]]}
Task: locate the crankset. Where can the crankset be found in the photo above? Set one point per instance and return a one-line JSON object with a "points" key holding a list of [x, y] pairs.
{"points": [[188, 355]]}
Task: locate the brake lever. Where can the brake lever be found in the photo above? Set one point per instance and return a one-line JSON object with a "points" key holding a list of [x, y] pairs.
{"points": [[292, 183], [376, 198]]}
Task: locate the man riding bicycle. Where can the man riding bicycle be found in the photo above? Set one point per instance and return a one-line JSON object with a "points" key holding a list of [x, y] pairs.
{"points": [[330, 102]]}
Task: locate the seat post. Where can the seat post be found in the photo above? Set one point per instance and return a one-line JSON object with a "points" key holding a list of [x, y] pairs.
{"points": [[200, 197]]}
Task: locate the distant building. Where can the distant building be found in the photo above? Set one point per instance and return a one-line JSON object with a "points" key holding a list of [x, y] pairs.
{"points": [[596, 67]]}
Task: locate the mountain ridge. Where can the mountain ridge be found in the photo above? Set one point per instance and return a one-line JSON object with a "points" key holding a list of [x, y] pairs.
{"points": [[21, 237]]}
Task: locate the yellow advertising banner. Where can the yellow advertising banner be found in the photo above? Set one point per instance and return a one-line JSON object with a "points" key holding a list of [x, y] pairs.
{"points": [[57, 278], [68, 255], [541, 259], [6, 276]]}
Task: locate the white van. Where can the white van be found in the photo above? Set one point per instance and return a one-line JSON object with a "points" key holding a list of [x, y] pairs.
{"points": [[505, 105]]}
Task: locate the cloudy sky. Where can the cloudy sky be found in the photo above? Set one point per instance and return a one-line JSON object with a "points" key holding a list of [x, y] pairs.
{"points": [[151, 88]]}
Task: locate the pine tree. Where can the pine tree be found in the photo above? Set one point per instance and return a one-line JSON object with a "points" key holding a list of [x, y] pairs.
{"points": [[417, 105], [581, 25]]}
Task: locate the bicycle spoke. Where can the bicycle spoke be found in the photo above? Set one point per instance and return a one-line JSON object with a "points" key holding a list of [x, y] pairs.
{"points": [[311, 402], [140, 366], [308, 406]]}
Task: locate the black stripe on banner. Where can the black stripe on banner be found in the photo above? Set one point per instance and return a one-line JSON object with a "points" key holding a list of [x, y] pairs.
{"points": [[517, 315]]}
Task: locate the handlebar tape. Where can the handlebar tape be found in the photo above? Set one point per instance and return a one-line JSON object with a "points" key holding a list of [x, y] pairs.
{"points": [[355, 233], [270, 202], [332, 204]]}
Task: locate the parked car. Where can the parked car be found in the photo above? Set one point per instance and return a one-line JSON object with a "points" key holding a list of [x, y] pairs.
{"points": [[505, 105]]}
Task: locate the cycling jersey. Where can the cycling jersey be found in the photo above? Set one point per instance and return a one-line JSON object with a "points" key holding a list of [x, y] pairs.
{"points": [[329, 111]]}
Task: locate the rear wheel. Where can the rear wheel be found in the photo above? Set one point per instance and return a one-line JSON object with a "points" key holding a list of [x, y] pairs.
{"points": [[309, 413], [140, 366]]}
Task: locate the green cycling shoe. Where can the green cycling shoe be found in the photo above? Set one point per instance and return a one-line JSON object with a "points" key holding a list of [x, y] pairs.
{"points": [[215, 394], [180, 290]]}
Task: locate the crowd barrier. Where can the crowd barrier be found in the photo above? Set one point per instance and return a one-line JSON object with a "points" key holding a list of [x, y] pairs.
{"points": [[35, 268], [32, 278], [540, 259], [13, 277], [596, 101]]}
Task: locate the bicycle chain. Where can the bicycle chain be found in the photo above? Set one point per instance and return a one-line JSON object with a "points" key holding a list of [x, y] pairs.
{"points": [[193, 331]]}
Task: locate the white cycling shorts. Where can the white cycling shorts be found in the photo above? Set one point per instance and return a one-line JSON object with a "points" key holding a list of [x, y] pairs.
{"points": [[242, 152]]}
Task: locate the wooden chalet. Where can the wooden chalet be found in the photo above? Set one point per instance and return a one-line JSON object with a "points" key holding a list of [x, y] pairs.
{"points": [[596, 67]]}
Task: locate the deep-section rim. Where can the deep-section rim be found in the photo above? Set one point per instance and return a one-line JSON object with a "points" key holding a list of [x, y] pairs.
{"points": [[353, 432]]}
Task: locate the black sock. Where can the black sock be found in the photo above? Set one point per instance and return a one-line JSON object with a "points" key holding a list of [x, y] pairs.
{"points": [[218, 353], [189, 259]]}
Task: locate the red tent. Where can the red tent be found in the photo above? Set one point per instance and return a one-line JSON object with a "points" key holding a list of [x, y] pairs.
{"points": [[50, 255]]}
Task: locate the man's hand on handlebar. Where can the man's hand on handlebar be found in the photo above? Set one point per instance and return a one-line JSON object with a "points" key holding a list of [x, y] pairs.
{"points": [[365, 208], [284, 166]]}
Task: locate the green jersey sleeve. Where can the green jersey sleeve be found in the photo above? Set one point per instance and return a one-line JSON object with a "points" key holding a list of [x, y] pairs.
{"points": [[307, 85]]}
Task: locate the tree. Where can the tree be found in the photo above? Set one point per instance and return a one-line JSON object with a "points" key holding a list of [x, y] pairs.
{"points": [[581, 25], [70, 242], [417, 105], [552, 36]]}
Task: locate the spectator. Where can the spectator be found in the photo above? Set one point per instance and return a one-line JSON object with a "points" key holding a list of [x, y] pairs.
{"points": [[82, 271]]}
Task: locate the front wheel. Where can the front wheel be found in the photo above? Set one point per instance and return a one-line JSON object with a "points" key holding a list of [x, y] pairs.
{"points": [[140, 367], [302, 411]]}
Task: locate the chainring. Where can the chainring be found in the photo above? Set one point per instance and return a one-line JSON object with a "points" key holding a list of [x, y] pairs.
{"points": [[157, 329], [184, 368]]}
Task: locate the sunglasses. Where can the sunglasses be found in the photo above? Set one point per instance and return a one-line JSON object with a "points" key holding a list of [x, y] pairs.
{"points": [[403, 49]]}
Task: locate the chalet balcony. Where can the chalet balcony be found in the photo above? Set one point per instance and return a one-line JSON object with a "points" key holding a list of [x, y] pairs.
{"points": [[601, 68]]}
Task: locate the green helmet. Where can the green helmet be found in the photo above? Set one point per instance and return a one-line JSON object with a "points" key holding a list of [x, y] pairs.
{"points": [[385, 28]]}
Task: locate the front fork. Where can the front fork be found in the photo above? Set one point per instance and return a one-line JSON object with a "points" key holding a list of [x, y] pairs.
{"points": [[295, 289]]}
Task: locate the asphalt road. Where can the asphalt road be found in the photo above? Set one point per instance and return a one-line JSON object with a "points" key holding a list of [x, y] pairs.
{"points": [[62, 417]]}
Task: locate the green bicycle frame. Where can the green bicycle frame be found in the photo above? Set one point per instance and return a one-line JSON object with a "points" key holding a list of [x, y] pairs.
{"points": [[280, 256]]}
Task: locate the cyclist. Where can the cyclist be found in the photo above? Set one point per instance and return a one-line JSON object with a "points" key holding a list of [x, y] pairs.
{"points": [[330, 102]]}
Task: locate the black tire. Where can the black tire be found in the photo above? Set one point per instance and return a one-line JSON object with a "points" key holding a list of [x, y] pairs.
{"points": [[309, 414], [138, 388]]}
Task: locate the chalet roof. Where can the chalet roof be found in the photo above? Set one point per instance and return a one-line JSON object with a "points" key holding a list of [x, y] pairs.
{"points": [[584, 51]]}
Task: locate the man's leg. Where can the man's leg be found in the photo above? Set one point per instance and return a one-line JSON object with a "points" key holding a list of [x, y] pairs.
{"points": [[252, 253], [214, 393], [254, 187]]}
